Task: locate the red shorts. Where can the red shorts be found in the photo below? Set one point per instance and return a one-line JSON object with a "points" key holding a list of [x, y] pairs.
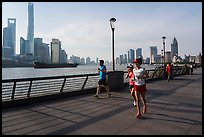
{"points": [[141, 88]]}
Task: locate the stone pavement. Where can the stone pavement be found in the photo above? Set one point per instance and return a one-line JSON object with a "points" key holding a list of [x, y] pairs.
{"points": [[174, 108]]}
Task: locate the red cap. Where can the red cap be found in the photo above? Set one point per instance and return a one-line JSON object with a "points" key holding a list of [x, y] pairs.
{"points": [[136, 61]]}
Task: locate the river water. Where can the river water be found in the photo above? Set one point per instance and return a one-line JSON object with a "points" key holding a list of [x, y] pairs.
{"points": [[30, 72]]}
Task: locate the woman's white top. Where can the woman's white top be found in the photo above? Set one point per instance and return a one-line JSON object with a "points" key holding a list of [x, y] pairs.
{"points": [[139, 72]]}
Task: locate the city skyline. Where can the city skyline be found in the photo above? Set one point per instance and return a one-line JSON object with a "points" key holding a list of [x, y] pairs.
{"points": [[84, 29]]}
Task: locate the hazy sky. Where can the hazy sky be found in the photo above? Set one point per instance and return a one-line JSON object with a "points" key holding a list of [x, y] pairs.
{"points": [[84, 28]]}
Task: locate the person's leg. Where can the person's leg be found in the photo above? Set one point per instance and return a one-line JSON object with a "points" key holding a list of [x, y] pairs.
{"points": [[98, 90], [168, 77], [137, 94], [108, 91], [143, 96], [132, 92]]}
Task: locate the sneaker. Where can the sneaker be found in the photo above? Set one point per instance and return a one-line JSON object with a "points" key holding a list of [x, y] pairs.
{"points": [[109, 95], [96, 96], [134, 103]]}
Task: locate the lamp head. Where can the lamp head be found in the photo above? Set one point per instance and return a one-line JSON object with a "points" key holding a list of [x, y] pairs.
{"points": [[112, 20], [163, 37]]}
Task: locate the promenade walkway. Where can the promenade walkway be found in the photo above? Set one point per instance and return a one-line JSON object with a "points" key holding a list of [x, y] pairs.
{"points": [[174, 108]]}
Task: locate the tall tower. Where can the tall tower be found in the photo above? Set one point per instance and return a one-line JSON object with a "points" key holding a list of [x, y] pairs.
{"points": [[9, 39], [139, 53], [174, 48], [131, 55], [12, 24], [30, 32], [55, 50], [153, 52]]}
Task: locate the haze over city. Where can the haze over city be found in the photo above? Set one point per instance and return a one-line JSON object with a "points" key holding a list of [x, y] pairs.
{"points": [[84, 28]]}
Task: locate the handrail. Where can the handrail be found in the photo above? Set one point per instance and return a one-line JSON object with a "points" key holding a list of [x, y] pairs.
{"points": [[14, 89]]}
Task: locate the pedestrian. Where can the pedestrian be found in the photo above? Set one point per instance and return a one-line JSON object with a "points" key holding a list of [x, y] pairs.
{"points": [[168, 71], [191, 68], [140, 86], [130, 75], [103, 82]]}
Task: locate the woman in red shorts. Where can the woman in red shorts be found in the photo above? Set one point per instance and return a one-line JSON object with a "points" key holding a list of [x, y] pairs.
{"points": [[140, 85]]}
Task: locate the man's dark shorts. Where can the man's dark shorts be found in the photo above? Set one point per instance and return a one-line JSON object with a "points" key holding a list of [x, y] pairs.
{"points": [[102, 82]]}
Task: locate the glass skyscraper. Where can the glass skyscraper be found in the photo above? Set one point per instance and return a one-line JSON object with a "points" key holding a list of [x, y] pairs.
{"points": [[9, 39], [30, 32], [174, 48], [131, 55]]}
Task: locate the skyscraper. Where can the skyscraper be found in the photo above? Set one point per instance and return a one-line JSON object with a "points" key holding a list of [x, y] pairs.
{"points": [[174, 48], [30, 32], [55, 50], [153, 51], [9, 39], [139, 53], [131, 55]]}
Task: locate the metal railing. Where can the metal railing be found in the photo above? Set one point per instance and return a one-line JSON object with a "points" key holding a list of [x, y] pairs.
{"points": [[15, 89]]}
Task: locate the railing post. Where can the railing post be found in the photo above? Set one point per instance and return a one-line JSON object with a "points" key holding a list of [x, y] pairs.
{"points": [[84, 82], [29, 89], [63, 85], [13, 92]]}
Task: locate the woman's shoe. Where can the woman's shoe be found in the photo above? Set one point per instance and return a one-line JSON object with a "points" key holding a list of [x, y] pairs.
{"points": [[138, 115]]}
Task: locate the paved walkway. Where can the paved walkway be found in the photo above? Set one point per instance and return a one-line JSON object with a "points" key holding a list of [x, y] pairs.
{"points": [[174, 108]]}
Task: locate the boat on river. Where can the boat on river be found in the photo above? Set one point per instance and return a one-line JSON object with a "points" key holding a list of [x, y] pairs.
{"points": [[53, 65]]}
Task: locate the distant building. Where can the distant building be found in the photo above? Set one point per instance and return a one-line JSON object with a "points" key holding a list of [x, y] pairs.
{"points": [[63, 56], [174, 48], [192, 59], [153, 52], [125, 59], [30, 31], [117, 60], [82, 61], [168, 58], [24, 47], [97, 61], [9, 39], [198, 58], [74, 59], [55, 50], [139, 53], [156, 58], [146, 61], [131, 55], [121, 59], [88, 60]]}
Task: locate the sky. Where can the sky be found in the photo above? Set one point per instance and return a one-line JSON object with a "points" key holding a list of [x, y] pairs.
{"points": [[84, 28]]}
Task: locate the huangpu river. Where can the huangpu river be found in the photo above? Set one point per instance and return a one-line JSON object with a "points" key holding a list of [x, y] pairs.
{"points": [[30, 72]]}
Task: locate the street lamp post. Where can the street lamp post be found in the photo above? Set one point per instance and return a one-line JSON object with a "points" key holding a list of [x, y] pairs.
{"points": [[112, 20], [164, 56]]}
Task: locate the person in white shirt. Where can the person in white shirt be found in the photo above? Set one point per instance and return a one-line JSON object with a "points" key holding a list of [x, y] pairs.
{"points": [[140, 85]]}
